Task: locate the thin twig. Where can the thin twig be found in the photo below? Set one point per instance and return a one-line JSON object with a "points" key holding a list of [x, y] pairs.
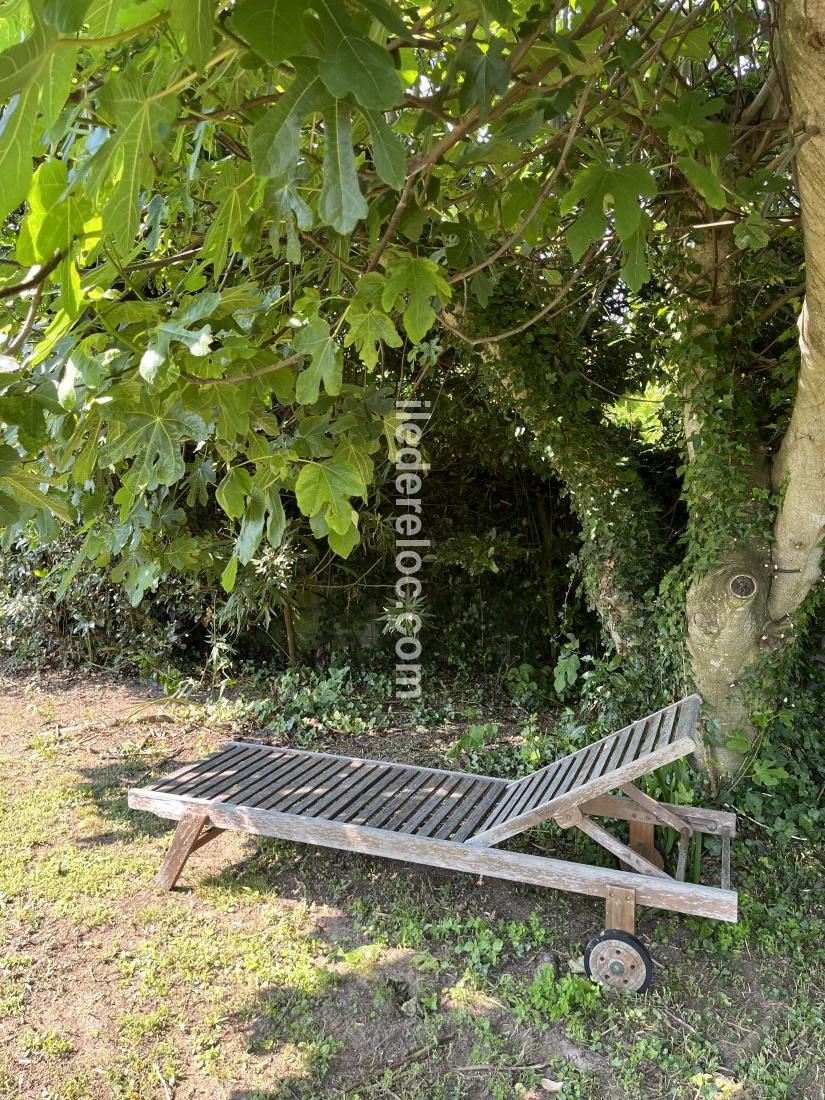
{"points": [[28, 324], [475, 341], [39, 277], [541, 197], [236, 378]]}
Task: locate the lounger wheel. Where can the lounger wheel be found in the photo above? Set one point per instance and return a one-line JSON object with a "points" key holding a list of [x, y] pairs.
{"points": [[619, 960]]}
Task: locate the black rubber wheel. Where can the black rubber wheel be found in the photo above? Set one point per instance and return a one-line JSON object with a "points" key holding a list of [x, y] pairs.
{"points": [[619, 960]]}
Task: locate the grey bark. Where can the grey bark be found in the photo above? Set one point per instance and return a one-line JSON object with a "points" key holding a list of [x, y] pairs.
{"points": [[729, 629], [799, 467]]}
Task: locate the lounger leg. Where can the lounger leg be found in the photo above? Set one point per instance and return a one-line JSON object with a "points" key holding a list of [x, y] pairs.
{"points": [[189, 835], [620, 909], [642, 840]]}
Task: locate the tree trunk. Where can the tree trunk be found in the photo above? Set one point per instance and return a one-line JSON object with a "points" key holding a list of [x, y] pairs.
{"points": [[725, 623], [799, 468], [744, 607], [725, 605]]}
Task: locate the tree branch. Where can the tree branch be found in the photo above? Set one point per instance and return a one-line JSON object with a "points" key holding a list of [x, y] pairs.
{"points": [[290, 361], [35, 280]]}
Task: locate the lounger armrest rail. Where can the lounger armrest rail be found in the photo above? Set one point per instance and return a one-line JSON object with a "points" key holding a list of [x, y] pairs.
{"points": [[678, 897]]}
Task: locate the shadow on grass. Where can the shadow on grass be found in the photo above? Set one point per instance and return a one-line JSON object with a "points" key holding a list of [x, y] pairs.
{"points": [[107, 786]]}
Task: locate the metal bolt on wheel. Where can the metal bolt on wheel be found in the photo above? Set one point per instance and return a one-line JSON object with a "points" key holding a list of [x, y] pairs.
{"points": [[619, 960]]}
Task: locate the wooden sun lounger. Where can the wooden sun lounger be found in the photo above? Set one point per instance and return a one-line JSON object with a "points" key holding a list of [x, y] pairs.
{"points": [[453, 819]]}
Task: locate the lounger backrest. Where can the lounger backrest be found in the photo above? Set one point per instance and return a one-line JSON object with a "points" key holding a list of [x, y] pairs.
{"points": [[603, 766]]}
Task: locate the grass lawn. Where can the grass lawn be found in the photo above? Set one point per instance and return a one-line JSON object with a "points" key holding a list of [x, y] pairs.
{"points": [[280, 971]]}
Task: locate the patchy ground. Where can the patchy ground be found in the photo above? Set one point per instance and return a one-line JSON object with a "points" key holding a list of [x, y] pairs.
{"points": [[279, 971]]}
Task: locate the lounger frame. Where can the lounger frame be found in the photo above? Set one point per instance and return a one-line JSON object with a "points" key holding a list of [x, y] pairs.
{"points": [[432, 801]]}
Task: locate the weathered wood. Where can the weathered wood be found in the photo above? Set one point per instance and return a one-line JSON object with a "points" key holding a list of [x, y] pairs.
{"points": [[267, 785], [483, 807], [681, 864], [620, 909], [308, 787], [252, 779], [553, 808], [663, 893], [443, 772], [699, 819], [614, 845], [357, 812], [428, 806], [725, 882], [190, 773], [339, 801], [183, 844], [410, 791], [376, 799], [458, 796], [653, 807], [207, 835], [405, 812], [642, 839], [629, 753]]}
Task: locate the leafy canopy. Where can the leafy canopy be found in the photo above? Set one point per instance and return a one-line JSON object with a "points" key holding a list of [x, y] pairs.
{"points": [[229, 232]]}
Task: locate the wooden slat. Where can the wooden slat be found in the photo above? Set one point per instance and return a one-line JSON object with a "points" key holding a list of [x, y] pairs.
{"points": [[316, 787], [299, 786], [368, 760], [619, 748], [668, 727], [354, 814], [525, 788], [460, 811], [221, 774], [427, 806], [247, 774], [192, 768], [260, 783], [195, 771], [356, 775], [606, 782], [688, 716], [483, 807], [678, 897], [448, 807], [652, 735], [351, 790], [231, 764], [375, 806], [599, 765], [631, 745], [408, 793], [408, 807], [550, 777], [569, 782]]}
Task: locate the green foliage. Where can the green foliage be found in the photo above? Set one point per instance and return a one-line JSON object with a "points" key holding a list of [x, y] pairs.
{"points": [[234, 218], [546, 998], [232, 244]]}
